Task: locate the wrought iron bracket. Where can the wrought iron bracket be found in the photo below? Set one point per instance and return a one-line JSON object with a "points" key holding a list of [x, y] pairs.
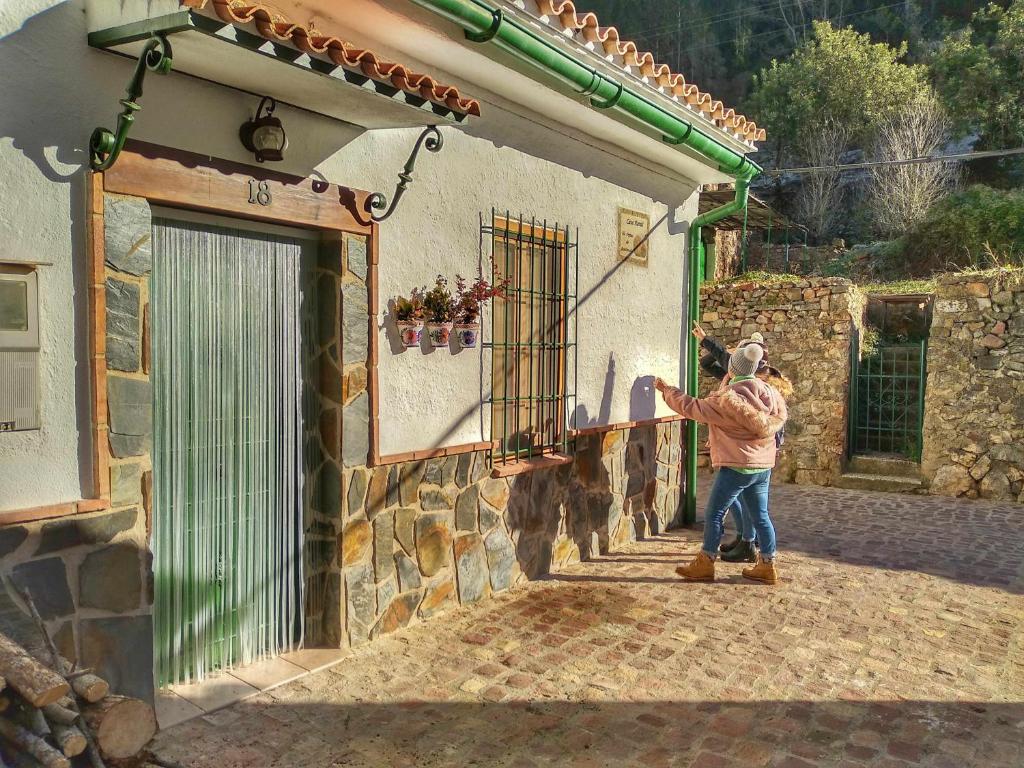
{"points": [[104, 145], [431, 139]]}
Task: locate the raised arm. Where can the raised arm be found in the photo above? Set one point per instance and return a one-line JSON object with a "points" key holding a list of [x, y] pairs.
{"points": [[690, 407]]}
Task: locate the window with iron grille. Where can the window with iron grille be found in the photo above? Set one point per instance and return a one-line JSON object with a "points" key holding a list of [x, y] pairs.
{"points": [[531, 335]]}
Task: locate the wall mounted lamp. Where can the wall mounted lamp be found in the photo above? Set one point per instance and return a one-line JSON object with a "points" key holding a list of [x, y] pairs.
{"points": [[264, 136]]}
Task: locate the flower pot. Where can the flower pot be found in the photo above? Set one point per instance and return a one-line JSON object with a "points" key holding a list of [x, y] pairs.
{"points": [[411, 331], [468, 333], [439, 333]]}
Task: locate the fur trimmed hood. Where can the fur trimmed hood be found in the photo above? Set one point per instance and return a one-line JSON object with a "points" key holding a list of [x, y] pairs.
{"points": [[742, 420], [754, 405]]}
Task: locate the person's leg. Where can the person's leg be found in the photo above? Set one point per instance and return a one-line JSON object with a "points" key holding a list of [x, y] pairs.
{"points": [[748, 532], [724, 489], [738, 524], [743, 550], [755, 498]]}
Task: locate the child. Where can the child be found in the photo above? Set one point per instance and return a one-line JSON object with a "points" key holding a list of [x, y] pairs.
{"points": [[743, 418], [715, 362]]}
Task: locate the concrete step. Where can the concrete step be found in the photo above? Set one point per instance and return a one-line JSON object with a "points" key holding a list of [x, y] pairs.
{"points": [[892, 466], [862, 481]]}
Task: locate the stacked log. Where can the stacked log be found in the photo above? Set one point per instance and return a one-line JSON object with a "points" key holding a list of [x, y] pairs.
{"points": [[54, 716]]}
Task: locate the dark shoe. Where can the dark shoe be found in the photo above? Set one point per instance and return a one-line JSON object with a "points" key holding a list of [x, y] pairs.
{"points": [[729, 545], [743, 552]]}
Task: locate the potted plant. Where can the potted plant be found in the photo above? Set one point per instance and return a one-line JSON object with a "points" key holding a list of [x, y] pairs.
{"points": [[469, 301], [440, 309], [409, 315]]}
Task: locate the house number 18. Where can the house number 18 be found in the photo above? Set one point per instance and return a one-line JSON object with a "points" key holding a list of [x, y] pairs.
{"points": [[259, 193]]}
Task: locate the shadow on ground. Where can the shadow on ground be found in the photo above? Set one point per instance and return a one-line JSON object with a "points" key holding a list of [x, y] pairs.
{"points": [[418, 734], [972, 542]]}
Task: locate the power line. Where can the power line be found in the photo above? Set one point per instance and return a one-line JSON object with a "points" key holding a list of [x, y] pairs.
{"points": [[802, 26], [966, 156], [761, 7]]}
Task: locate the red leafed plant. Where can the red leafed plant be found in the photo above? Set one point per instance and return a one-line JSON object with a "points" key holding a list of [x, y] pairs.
{"points": [[470, 297]]}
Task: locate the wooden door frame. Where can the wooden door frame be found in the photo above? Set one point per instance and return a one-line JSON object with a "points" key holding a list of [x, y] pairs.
{"points": [[178, 179]]}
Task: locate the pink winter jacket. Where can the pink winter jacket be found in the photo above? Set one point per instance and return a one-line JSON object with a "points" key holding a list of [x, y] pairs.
{"points": [[742, 421]]}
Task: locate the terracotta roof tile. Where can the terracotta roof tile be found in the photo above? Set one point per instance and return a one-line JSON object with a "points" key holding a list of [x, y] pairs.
{"points": [[588, 29], [273, 26]]}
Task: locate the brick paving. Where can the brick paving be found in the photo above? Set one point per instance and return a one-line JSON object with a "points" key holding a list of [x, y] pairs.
{"points": [[894, 640]]}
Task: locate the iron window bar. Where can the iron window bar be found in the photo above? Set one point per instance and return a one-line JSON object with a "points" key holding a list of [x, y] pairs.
{"points": [[530, 335]]}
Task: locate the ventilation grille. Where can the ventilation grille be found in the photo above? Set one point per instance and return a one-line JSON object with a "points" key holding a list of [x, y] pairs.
{"points": [[19, 390]]}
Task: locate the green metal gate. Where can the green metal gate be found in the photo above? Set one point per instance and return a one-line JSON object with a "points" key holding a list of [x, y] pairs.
{"points": [[887, 399]]}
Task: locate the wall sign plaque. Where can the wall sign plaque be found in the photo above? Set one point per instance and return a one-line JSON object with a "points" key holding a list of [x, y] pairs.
{"points": [[634, 227]]}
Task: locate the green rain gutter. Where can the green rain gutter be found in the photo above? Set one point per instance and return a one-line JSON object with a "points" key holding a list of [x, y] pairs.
{"points": [[486, 23]]}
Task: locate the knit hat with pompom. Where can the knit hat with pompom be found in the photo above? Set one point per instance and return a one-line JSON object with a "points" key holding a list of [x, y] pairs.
{"points": [[744, 361]]}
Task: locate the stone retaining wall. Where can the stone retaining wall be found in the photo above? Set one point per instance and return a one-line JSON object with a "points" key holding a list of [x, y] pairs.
{"points": [[974, 402], [807, 324]]}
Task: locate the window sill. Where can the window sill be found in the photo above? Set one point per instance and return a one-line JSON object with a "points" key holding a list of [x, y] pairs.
{"points": [[521, 466], [49, 512]]}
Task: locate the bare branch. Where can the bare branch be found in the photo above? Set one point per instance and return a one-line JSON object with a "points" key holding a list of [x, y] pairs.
{"points": [[819, 199], [901, 195]]}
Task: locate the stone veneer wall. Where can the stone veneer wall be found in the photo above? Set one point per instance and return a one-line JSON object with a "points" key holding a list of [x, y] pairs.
{"points": [[416, 538], [91, 575], [974, 401], [807, 324]]}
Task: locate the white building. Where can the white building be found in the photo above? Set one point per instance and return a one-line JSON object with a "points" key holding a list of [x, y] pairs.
{"points": [[201, 359]]}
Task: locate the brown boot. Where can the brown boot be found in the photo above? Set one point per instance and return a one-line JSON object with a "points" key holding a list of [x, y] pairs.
{"points": [[763, 571], [701, 569]]}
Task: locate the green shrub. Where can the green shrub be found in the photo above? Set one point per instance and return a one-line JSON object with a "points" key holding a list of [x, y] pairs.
{"points": [[979, 227]]}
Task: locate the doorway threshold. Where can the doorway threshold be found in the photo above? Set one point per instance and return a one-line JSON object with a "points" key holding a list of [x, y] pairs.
{"points": [[178, 703]]}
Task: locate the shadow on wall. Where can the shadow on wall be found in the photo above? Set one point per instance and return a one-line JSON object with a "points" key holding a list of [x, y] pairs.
{"points": [[36, 121], [614, 491], [94, 597]]}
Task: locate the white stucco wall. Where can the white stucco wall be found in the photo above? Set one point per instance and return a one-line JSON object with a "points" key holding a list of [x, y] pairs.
{"points": [[55, 90], [629, 316]]}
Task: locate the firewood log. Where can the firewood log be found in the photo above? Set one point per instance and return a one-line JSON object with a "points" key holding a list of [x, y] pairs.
{"points": [[59, 714], [36, 723], [70, 740], [34, 746], [123, 726], [90, 687], [37, 684]]}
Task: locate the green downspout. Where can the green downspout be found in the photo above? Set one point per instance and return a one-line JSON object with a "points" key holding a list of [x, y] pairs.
{"points": [[696, 273], [486, 23]]}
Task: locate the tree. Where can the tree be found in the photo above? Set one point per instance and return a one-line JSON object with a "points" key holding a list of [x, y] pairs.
{"points": [[900, 196], [978, 75], [839, 78], [818, 201]]}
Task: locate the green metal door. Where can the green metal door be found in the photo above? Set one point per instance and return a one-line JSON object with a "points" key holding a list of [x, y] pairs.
{"points": [[227, 455], [887, 399]]}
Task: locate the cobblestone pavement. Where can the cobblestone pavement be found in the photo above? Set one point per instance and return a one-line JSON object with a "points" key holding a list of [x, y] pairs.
{"points": [[895, 639]]}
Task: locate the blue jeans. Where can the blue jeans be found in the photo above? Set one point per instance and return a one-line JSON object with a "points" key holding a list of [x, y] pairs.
{"points": [[752, 491], [741, 521]]}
